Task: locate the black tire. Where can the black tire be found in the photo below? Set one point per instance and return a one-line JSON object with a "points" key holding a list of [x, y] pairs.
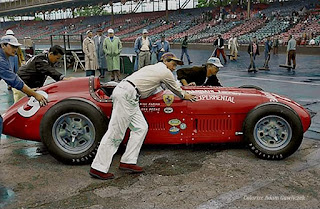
{"points": [[72, 130], [251, 87], [273, 131]]}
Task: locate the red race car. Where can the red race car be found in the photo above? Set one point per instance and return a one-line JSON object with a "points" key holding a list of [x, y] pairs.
{"points": [[76, 117]]}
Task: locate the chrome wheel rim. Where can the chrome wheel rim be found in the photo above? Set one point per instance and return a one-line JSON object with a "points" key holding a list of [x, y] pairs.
{"points": [[74, 133], [272, 133]]}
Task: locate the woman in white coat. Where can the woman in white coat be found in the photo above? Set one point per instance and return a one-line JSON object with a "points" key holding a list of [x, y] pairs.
{"points": [[90, 58]]}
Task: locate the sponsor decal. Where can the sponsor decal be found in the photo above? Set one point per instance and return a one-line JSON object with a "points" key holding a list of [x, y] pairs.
{"points": [[212, 95], [174, 130], [183, 126], [216, 97], [150, 104], [168, 110], [34, 104], [150, 109], [168, 99], [174, 122]]}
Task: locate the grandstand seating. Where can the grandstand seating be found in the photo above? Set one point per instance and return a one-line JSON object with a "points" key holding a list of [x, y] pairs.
{"points": [[201, 25]]}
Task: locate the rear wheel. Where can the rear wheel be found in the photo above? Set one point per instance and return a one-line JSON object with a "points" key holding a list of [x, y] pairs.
{"points": [[273, 131], [71, 130]]}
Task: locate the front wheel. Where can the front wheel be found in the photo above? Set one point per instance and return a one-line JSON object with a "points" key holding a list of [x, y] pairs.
{"points": [[273, 131], [71, 130]]}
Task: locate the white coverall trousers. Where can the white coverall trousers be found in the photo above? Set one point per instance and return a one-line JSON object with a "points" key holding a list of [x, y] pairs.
{"points": [[125, 113]]}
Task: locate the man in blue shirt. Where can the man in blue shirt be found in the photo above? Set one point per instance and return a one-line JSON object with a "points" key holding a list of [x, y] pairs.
{"points": [[9, 46], [161, 46]]}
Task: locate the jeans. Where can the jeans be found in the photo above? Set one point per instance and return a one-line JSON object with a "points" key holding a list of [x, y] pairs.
{"points": [[253, 62], [185, 51]]}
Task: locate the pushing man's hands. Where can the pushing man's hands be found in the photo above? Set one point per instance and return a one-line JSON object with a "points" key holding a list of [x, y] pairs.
{"points": [[190, 97], [42, 100]]}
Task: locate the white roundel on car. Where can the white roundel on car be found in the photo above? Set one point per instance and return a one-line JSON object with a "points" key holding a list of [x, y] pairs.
{"points": [[34, 104]]}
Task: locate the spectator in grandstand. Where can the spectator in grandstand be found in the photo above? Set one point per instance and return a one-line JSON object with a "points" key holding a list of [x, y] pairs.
{"points": [[233, 45], [291, 50], [90, 57], [98, 42], [161, 46], [205, 75], [143, 49], [112, 47], [253, 50], [34, 73], [9, 45], [267, 51], [184, 49], [275, 45], [219, 43], [126, 113]]}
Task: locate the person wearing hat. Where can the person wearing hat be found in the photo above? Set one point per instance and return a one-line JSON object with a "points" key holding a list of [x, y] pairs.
{"points": [[219, 44], [205, 75], [161, 46], [9, 45], [112, 48], [98, 42], [20, 56], [143, 49], [90, 56], [126, 114]]}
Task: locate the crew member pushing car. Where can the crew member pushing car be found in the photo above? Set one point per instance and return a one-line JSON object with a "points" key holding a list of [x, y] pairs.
{"points": [[36, 70], [9, 46], [126, 113], [205, 75]]}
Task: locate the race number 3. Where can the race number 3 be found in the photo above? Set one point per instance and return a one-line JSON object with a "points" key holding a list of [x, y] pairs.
{"points": [[34, 104]]}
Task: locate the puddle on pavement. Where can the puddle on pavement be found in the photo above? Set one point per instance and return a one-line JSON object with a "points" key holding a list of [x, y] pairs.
{"points": [[5, 196], [31, 152]]}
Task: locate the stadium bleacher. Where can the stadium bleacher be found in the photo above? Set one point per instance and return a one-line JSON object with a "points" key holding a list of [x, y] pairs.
{"points": [[300, 18]]}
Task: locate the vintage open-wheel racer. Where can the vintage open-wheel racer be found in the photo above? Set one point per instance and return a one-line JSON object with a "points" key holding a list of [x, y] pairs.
{"points": [[76, 117]]}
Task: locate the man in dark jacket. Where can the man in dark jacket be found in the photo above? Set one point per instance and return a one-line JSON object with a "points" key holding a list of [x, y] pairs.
{"points": [[253, 51], [219, 43], [36, 70], [205, 75]]}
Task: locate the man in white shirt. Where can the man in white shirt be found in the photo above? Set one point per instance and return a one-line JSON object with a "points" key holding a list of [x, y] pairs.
{"points": [[291, 50], [126, 113]]}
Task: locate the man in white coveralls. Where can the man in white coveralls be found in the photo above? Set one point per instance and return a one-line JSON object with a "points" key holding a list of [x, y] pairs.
{"points": [[126, 113]]}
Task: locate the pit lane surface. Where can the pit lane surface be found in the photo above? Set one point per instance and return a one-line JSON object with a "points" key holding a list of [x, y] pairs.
{"points": [[216, 176]]}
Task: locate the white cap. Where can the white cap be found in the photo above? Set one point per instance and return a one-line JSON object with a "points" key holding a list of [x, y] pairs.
{"points": [[89, 31], [9, 32], [9, 39], [214, 61], [144, 31], [110, 30]]}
